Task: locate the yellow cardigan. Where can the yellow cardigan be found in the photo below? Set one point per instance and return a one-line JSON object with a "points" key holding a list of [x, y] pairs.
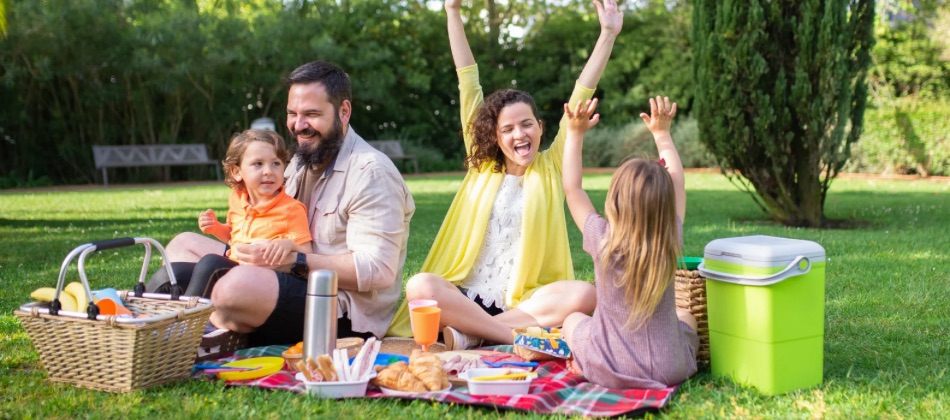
{"points": [[545, 252]]}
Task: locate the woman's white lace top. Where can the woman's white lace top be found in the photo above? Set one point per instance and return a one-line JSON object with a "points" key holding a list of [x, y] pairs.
{"points": [[489, 277]]}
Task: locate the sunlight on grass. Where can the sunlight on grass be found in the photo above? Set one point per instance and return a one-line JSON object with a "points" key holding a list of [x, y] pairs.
{"points": [[886, 329]]}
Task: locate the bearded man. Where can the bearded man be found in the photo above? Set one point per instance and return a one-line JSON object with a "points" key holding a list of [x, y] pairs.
{"points": [[358, 207]]}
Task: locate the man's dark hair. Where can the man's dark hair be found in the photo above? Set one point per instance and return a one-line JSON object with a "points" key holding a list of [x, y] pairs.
{"points": [[333, 78]]}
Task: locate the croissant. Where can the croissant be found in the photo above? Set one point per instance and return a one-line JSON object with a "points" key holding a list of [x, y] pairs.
{"points": [[428, 368], [399, 377]]}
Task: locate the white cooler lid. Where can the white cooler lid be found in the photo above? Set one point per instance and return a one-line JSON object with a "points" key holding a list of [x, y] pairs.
{"points": [[761, 250]]}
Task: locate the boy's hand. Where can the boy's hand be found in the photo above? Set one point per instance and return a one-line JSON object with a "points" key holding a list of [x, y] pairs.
{"points": [[582, 118], [277, 251], [207, 220], [661, 115], [453, 5], [611, 17]]}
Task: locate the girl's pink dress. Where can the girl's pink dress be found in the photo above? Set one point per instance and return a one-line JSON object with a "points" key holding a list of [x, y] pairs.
{"points": [[661, 353]]}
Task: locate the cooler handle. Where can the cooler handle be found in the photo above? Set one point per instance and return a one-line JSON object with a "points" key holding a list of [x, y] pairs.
{"points": [[792, 270]]}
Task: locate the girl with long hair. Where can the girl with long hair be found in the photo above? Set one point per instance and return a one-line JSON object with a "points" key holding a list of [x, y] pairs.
{"points": [[637, 338]]}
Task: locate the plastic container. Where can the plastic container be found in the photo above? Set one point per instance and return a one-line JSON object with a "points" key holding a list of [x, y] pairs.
{"points": [[766, 301], [338, 389], [688, 263], [497, 387]]}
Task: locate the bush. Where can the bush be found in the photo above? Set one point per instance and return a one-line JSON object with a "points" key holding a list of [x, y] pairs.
{"points": [[609, 146], [432, 159], [905, 139]]}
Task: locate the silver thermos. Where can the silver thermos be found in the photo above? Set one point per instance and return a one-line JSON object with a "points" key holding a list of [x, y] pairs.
{"points": [[319, 328]]}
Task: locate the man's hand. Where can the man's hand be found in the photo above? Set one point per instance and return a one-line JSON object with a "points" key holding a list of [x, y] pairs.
{"points": [[453, 5]]}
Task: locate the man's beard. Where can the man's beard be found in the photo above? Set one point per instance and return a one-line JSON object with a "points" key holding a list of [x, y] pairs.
{"points": [[318, 153]]}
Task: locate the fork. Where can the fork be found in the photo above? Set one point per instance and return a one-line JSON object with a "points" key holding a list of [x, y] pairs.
{"points": [[500, 364]]}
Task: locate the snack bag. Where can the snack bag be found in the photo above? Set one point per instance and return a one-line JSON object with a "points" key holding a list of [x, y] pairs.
{"points": [[536, 343]]}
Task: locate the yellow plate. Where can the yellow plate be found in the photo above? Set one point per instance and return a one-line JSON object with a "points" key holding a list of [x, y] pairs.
{"points": [[265, 366]]}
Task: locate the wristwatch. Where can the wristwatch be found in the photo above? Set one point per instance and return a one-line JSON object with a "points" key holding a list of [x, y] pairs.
{"points": [[300, 268]]}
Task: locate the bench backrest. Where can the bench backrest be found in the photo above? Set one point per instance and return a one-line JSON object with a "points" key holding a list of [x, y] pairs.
{"points": [[150, 155], [391, 148]]}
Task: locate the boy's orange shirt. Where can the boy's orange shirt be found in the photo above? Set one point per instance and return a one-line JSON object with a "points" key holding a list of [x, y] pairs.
{"points": [[281, 217]]}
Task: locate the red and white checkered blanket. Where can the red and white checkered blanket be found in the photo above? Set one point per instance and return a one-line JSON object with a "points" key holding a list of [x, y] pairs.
{"points": [[555, 391]]}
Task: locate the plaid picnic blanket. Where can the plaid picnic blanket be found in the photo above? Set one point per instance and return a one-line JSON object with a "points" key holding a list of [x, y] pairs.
{"points": [[555, 391]]}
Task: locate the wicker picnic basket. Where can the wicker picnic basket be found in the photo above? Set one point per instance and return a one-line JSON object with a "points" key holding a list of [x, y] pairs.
{"points": [[119, 354], [691, 295]]}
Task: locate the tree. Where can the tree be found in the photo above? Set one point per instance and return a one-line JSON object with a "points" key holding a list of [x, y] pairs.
{"points": [[781, 95], [4, 6]]}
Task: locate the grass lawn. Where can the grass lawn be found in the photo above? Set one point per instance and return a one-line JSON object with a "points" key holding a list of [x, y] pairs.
{"points": [[887, 324]]}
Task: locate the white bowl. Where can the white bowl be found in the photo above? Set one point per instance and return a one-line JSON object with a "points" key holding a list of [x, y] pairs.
{"points": [[497, 387], [336, 389]]}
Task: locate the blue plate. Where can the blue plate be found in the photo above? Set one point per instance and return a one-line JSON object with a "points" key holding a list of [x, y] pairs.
{"points": [[386, 359]]}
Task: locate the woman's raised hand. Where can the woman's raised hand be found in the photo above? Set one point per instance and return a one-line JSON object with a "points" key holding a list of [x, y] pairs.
{"points": [[582, 117], [453, 4], [611, 17]]}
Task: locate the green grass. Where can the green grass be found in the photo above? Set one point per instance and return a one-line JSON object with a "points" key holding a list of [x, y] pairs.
{"points": [[887, 332]]}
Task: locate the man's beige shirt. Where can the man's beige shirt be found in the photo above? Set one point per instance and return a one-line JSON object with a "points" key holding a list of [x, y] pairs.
{"points": [[360, 205]]}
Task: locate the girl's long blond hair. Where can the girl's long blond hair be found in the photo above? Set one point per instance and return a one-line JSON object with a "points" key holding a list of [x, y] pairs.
{"points": [[642, 241]]}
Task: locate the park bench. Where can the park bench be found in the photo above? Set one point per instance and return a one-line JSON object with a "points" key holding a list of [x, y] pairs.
{"points": [[151, 155], [393, 149]]}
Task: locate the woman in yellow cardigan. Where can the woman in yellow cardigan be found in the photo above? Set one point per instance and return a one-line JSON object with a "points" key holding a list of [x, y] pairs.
{"points": [[501, 259]]}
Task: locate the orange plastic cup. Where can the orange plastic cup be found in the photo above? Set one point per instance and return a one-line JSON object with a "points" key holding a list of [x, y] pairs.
{"points": [[425, 325], [418, 303], [107, 306]]}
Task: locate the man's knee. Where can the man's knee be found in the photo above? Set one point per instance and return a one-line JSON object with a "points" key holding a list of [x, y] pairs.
{"points": [[423, 286], [191, 246], [231, 290], [181, 241]]}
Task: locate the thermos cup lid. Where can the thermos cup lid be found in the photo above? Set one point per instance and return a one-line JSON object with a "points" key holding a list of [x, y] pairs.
{"points": [[322, 283]]}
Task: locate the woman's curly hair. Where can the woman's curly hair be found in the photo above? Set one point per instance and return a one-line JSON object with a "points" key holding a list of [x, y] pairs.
{"points": [[484, 128]]}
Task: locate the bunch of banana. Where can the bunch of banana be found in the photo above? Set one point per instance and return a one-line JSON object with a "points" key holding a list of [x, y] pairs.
{"points": [[73, 297]]}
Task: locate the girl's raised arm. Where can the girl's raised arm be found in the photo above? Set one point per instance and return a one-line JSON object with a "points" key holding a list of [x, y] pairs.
{"points": [[579, 120], [659, 122], [461, 51], [611, 21]]}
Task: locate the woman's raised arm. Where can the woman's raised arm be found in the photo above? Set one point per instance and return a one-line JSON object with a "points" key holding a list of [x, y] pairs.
{"points": [[611, 21], [461, 51]]}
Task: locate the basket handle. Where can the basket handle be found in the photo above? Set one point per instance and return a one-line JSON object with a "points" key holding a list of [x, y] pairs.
{"points": [[84, 250]]}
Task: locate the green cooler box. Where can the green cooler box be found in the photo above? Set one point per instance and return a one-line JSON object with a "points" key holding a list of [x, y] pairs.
{"points": [[766, 307]]}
